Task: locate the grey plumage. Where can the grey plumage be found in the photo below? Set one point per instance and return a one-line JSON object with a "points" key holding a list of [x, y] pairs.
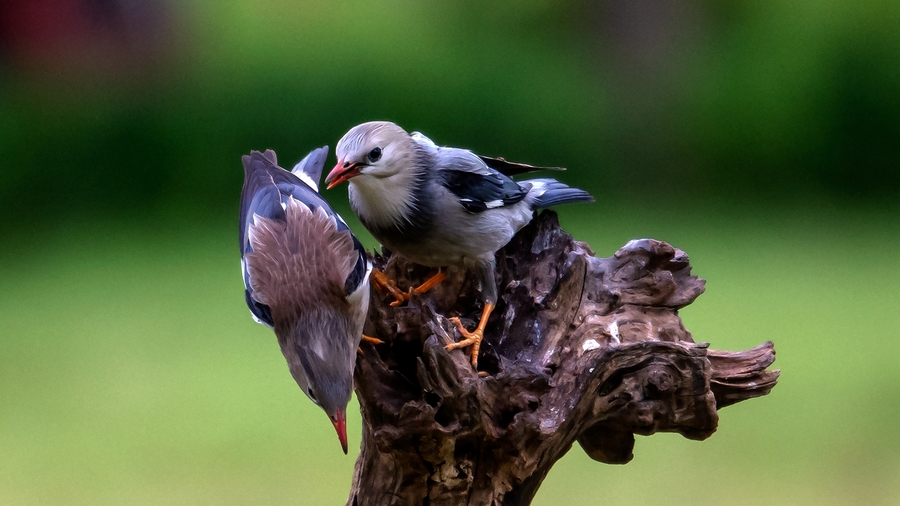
{"points": [[439, 206], [305, 275], [309, 169]]}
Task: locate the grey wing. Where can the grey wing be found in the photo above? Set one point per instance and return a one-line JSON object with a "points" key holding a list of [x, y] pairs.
{"points": [[261, 173], [309, 169], [424, 142], [477, 186], [499, 164]]}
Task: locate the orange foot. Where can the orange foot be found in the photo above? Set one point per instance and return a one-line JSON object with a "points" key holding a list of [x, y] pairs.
{"points": [[373, 340], [471, 338], [368, 339], [389, 287]]}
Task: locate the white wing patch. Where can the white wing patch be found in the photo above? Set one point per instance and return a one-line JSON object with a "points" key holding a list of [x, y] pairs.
{"points": [[257, 320], [363, 289], [492, 204], [306, 179]]}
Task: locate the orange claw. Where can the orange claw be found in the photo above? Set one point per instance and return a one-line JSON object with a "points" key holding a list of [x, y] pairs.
{"points": [[373, 340], [368, 339], [471, 338], [388, 287]]}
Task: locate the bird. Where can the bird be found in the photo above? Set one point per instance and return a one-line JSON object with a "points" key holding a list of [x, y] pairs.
{"points": [[305, 275], [440, 206]]}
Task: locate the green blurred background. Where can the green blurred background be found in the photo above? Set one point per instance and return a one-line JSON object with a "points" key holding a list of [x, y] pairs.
{"points": [[763, 138]]}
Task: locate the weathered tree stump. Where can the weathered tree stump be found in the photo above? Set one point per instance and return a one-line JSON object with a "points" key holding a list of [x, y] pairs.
{"points": [[579, 348]]}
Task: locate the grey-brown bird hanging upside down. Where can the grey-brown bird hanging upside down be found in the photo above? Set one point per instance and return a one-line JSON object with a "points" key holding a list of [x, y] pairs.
{"points": [[306, 276], [440, 206]]}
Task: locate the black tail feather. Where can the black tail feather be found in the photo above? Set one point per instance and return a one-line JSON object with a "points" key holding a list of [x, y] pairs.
{"points": [[554, 192]]}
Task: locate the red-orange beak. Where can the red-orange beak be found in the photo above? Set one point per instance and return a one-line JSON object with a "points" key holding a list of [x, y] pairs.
{"points": [[342, 172], [340, 425]]}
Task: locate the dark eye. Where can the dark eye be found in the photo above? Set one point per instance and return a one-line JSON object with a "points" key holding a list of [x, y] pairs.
{"points": [[375, 154], [312, 395]]}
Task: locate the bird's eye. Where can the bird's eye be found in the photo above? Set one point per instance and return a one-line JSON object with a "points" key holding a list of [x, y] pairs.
{"points": [[312, 395], [375, 154]]}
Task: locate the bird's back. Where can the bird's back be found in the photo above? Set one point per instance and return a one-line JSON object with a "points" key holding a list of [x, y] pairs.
{"points": [[297, 253], [300, 262]]}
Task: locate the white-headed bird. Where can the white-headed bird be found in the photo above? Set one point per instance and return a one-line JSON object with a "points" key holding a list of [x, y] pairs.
{"points": [[440, 206], [306, 276]]}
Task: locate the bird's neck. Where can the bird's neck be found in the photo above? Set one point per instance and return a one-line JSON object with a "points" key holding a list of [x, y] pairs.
{"points": [[385, 202], [318, 331]]}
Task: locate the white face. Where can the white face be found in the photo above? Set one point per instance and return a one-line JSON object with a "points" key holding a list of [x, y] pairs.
{"points": [[381, 149], [377, 160]]}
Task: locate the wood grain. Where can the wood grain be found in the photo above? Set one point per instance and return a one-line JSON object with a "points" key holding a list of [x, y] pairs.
{"points": [[579, 348]]}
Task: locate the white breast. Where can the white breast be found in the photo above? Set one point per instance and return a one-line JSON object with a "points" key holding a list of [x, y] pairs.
{"points": [[383, 201]]}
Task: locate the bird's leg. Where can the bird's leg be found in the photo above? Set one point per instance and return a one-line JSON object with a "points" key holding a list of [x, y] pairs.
{"points": [[373, 340], [368, 339], [471, 338], [388, 286], [424, 287], [430, 283]]}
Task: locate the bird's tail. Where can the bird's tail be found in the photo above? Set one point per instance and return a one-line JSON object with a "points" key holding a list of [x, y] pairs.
{"points": [[550, 192]]}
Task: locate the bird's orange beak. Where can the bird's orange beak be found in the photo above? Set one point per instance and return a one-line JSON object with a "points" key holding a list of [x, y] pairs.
{"points": [[341, 172], [340, 425]]}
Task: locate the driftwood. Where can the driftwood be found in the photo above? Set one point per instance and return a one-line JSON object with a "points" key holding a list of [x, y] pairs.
{"points": [[579, 348]]}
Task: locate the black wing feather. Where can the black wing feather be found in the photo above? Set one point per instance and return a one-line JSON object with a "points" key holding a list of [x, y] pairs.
{"points": [[359, 272], [512, 168], [478, 192]]}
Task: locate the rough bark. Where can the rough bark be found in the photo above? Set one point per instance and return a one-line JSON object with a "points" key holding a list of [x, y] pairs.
{"points": [[579, 348]]}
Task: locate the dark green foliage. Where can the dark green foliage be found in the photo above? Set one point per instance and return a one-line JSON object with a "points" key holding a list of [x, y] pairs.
{"points": [[746, 100]]}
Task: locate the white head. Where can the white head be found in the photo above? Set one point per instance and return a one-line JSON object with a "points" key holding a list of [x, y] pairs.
{"points": [[377, 149], [383, 167]]}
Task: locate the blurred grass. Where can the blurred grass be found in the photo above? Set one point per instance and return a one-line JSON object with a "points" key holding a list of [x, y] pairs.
{"points": [[131, 372], [132, 375]]}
